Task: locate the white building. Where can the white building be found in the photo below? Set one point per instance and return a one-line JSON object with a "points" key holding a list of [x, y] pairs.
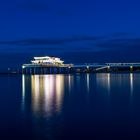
{"points": [[47, 60]]}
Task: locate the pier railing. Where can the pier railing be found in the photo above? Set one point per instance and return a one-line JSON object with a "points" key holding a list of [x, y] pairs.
{"points": [[46, 65], [70, 68]]}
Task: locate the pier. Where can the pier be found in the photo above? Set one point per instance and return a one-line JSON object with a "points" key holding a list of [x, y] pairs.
{"points": [[90, 68], [53, 65]]}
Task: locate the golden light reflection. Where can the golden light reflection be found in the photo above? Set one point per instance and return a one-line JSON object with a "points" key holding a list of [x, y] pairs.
{"points": [[108, 82], [87, 79], [70, 82], [59, 91], [47, 93], [35, 91], [23, 92], [131, 83]]}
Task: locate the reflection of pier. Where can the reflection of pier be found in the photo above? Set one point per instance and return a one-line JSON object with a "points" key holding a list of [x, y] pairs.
{"points": [[84, 68], [46, 93], [131, 83]]}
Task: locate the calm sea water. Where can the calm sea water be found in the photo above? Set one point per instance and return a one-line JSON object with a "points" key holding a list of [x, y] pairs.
{"points": [[80, 106]]}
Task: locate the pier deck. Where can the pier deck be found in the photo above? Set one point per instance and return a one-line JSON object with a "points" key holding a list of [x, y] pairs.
{"points": [[80, 68]]}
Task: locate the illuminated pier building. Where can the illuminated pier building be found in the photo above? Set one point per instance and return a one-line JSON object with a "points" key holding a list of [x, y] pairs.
{"points": [[54, 65], [47, 61], [46, 65]]}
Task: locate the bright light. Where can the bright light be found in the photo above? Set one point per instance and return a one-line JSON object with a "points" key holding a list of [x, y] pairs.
{"points": [[47, 60], [108, 67], [38, 58], [47, 93]]}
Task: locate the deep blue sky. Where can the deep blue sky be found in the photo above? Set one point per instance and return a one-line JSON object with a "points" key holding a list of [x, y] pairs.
{"points": [[76, 30]]}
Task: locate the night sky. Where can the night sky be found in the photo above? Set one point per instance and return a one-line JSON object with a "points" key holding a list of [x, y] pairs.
{"points": [[78, 31]]}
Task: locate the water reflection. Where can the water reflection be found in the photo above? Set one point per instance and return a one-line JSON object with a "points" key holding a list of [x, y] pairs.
{"points": [[87, 80], [23, 92], [70, 82], [131, 83], [103, 81], [46, 93]]}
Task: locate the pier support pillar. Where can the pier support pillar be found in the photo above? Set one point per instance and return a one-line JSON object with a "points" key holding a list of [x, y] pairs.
{"points": [[70, 69], [30, 71], [48, 70], [58, 70], [23, 71]]}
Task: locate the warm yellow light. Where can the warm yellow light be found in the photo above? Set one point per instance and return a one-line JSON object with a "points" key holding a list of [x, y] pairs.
{"points": [[47, 93]]}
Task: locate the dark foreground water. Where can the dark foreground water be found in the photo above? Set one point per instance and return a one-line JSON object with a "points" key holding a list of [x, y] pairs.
{"points": [[80, 106]]}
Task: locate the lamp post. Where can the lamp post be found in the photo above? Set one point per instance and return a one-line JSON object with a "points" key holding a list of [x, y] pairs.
{"points": [[131, 68]]}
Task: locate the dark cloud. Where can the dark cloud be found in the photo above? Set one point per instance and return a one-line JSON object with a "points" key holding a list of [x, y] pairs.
{"points": [[122, 34], [103, 56], [89, 42], [50, 41], [80, 43], [110, 50], [121, 44], [32, 42]]}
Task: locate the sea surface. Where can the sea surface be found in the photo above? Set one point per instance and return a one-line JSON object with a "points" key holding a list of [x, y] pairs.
{"points": [[77, 106]]}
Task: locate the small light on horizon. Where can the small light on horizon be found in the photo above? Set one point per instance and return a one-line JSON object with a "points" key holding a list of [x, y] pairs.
{"points": [[23, 67]]}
